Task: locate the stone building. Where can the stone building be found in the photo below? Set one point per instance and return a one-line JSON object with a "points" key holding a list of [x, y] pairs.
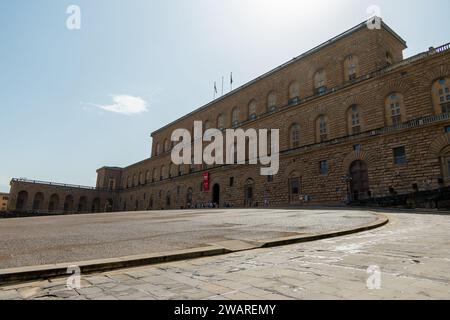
{"points": [[4, 197], [356, 121]]}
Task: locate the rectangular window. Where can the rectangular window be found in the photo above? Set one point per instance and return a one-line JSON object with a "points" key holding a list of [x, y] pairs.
{"points": [[323, 167], [357, 147], [445, 107], [269, 178], [231, 181], [447, 129], [399, 155]]}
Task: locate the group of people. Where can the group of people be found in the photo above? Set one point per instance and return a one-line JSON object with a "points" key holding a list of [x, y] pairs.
{"points": [[209, 205]]}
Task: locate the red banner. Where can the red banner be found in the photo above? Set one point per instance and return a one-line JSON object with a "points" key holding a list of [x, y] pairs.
{"points": [[206, 182]]}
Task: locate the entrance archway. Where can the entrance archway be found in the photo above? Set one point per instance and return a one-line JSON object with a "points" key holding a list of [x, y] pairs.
{"points": [[22, 199], [294, 188], [95, 205], [109, 205], [82, 204], [216, 194], [38, 201], [189, 198], [359, 173], [249, 192], [68, 203], [53, 203]]}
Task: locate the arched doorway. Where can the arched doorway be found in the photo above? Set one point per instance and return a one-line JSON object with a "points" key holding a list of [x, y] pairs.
{"points": [[53, 204], [216, 194], [168, 200], [249, 192], [109, 206], [150, 203], [189, 198], [68, 203], [82, 204], [96, 205], [359, 185], [294, 188], [445, 164], [22, 199], [38, 201]]}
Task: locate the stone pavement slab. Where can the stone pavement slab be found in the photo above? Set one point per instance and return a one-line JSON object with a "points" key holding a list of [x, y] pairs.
{"points": [[411, 254]]}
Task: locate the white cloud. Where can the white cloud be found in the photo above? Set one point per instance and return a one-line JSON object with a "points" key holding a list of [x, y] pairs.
{"points": [[125, 104]]}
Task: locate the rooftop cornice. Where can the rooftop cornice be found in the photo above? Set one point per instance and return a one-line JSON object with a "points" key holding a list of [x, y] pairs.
{"points": [[283, 66]]}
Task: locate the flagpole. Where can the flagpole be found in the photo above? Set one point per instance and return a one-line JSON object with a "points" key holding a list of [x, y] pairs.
{"points": [[231, 82]]}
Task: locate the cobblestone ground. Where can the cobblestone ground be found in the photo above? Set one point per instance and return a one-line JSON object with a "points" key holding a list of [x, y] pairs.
{"points": [[412, 253]]}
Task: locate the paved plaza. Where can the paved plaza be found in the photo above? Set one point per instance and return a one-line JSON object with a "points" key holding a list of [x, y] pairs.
{"points": [[412, 254], [59, 239]]}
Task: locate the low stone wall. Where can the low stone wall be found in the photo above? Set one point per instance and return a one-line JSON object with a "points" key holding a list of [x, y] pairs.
{"points": [[430, 199]]}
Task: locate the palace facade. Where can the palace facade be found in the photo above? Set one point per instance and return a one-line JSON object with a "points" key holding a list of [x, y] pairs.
{"points": [[356, 121]]}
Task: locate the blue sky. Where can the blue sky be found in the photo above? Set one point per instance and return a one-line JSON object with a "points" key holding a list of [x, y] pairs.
{"points": [[61, 89]]}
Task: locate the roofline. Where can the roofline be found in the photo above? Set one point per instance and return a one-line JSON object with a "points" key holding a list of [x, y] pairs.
{"points": [[110, 168], [284, 65]]}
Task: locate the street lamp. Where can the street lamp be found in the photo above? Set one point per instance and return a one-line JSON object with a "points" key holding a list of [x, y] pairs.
{"points": [[347, 180]]}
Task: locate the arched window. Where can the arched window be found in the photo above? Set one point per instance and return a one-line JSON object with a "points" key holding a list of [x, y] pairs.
{"points": [[294, 136], [207, 125], [294, 92], [166, 145], [252, 110], [441, 95], [235, 117], [180, 169], [320, 82], [220, 122], [154, 175], [351, 67], [135, 180], [147, 176], [322, 128], [141, 178], [394, 109], [272, 102], [353, 119], [158, 149]]}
